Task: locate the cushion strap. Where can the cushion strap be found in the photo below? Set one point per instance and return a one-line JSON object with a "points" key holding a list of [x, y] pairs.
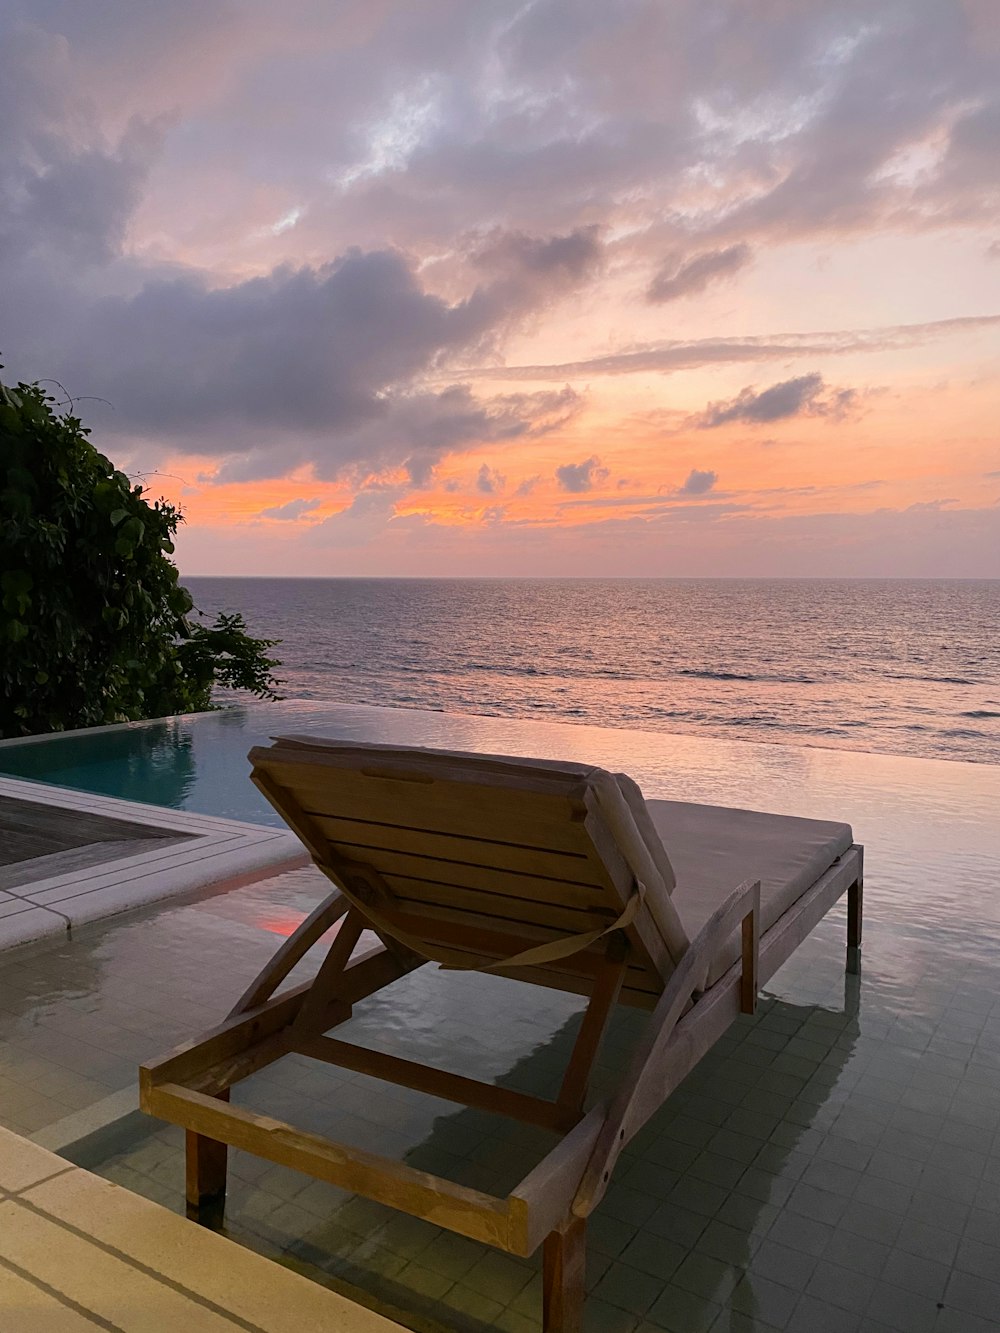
{"points": [[454, 960]]}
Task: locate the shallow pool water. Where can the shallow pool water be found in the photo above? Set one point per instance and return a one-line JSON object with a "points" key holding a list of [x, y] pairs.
{"points": [[833, 1164], [936, 821]]}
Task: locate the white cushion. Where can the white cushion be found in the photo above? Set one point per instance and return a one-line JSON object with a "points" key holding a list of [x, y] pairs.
{"points": [[713, 849]]}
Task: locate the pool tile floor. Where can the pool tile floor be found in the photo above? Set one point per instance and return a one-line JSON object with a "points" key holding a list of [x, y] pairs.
{"points": [[833, 1164]]}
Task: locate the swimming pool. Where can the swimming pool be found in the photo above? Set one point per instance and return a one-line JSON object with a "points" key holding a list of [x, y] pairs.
{"points": [[927, 820], [876, 1131]]}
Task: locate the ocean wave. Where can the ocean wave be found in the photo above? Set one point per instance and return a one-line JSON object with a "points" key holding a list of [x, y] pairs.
{"points": [[930, 680], [912, 673], [706, 674]]}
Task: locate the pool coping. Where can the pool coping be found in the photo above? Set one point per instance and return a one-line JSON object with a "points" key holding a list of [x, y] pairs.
{"points": [[216, 852], [81, 1251]]}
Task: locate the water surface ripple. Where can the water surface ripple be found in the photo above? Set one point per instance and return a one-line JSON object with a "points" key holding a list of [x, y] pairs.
{"points": [[893, 666]]}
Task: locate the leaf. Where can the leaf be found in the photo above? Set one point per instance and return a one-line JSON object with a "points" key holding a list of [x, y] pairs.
{"points": [[118, 516], [16, 581]]}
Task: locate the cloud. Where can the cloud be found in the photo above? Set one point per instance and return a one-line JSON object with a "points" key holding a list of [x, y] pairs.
{"points": [[806, 395], [292, 510], [309, 365], [323, 362], [685, 277], [368, 514], [309, 348], [705, 540], [676, 355], [489, 481], [583, 476], [527, 486], [698, 483], [568, 258], [458, 176]]}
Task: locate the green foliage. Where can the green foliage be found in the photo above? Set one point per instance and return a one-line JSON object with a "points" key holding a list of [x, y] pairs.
{"points": [[94, 626]]}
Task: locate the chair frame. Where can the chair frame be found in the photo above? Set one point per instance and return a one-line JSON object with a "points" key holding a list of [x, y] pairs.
{"points": [[190, 1087]]}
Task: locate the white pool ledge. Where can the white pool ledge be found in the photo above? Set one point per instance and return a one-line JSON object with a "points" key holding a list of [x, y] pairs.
{"points": [[217, 853]]}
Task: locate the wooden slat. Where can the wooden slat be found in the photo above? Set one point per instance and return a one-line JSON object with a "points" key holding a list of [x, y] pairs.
{"points": [[469, 933], [437, 1082], [469, 1212], [416, 766], [398, 837], [413, 895], [539, 820], [483, 877]]}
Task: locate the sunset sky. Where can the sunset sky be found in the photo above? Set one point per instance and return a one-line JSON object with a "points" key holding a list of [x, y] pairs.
{"points": [[707, 287]]}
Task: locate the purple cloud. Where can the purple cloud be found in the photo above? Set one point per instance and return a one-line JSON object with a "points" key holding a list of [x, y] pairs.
{"points": [[583, 476], [292, 510], [489, 481], [698, 483], [806, 395], [685, 277]]}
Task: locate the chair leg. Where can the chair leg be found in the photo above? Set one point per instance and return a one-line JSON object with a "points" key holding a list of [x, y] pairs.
{"points": [[854, 912], [205, 1177], [564, 1256]]}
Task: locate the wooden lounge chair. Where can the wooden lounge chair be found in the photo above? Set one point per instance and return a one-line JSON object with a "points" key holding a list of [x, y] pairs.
{"points": [[551, 873]]}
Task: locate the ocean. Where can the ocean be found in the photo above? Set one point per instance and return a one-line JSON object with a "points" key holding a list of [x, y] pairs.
{"points": [[907, 667]]}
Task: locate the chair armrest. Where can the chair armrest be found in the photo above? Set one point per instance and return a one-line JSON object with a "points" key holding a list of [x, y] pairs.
{"points": [[638, 1097]]}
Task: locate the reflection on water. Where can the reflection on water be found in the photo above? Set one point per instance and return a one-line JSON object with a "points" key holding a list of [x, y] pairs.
{"points": [[153, 762], [822, 1136], [897, 666], [930, 826], [684, 1227]]}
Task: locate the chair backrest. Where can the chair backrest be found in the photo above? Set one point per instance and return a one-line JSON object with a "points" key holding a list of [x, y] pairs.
{"points": [[473, 859]]}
